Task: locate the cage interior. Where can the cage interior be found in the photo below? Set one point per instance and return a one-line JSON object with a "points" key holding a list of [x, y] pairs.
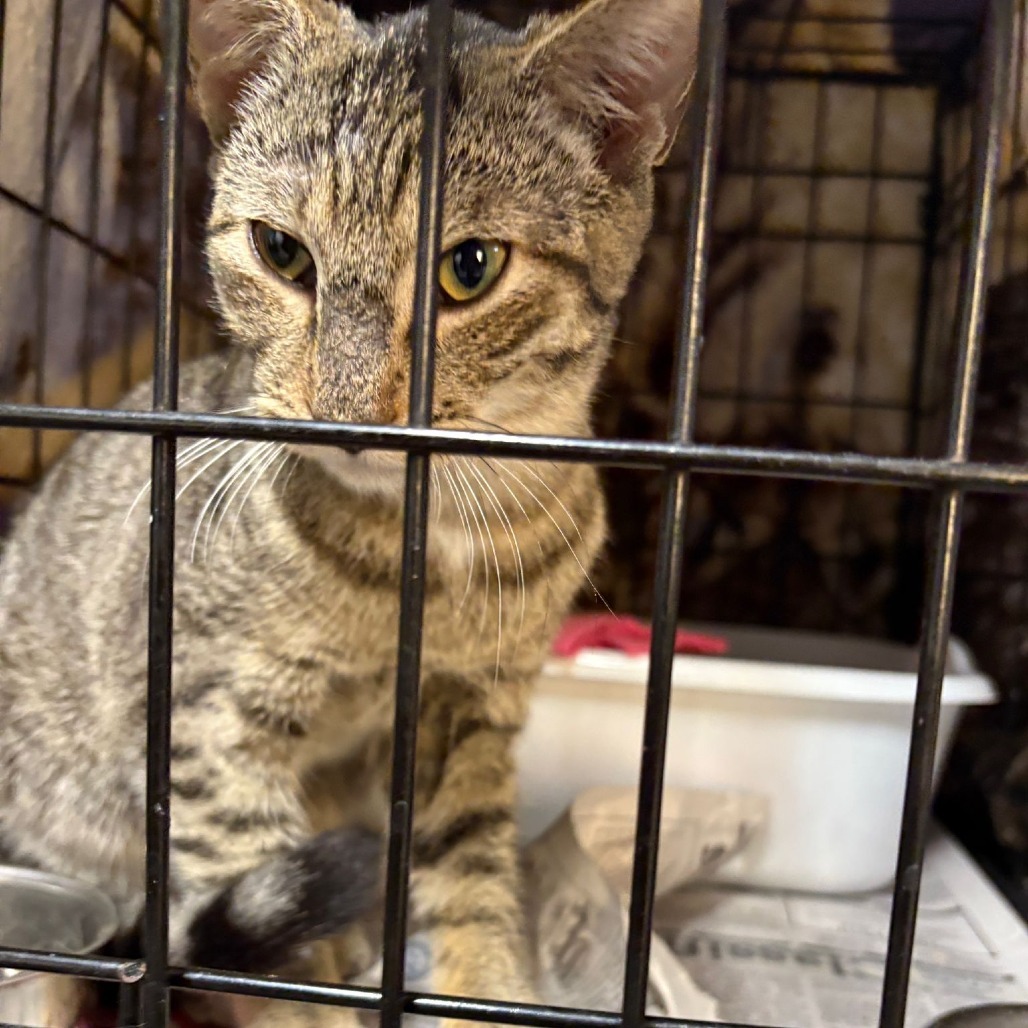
{"points": [[841, 208]]}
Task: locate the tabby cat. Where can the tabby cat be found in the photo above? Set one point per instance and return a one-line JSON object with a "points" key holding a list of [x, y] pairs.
{"points": [[288, 557]]}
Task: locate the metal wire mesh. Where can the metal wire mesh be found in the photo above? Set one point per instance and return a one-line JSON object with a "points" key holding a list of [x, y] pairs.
{"points": [[974, 186]]}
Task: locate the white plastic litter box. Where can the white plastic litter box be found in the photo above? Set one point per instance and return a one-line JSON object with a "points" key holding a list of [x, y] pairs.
{"points": [[819, 724]]}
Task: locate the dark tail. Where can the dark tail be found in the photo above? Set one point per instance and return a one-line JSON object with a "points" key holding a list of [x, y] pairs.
{"points": [[313, 892]]}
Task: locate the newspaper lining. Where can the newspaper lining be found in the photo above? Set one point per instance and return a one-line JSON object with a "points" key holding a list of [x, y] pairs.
{"points": [[576, 880], [725, 953], [804, 961]]}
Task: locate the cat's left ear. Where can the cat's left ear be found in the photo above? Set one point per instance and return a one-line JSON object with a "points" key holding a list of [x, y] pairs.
{"points": [[625, 66]]}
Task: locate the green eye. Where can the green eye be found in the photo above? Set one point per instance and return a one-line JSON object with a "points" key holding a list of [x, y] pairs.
{"points": [[471, 268], [286, 256]]}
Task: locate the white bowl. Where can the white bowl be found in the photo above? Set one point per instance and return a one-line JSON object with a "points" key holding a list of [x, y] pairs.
{"points": [[46, 912], [819, 724]]}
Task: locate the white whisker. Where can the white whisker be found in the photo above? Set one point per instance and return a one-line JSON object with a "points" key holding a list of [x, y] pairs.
{"points": [[508, 528], [183, 459], [217, 519], [435, 498], [469, 538], [212, 500], [513, 495], [496, 563], [563, 535], [535, 474], [461, 482], [263, 466], [286, 457], [214, 460], [248, 409]]}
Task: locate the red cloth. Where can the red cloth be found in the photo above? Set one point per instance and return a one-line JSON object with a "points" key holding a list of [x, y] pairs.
{"points": [[629, 635]]}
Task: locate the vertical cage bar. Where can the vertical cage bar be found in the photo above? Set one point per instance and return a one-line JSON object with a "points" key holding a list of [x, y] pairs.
{"points": [[3, 36], [93, 225], [45, 227], [162, 524], [133, 199], [435, 89], [947, 511], [705, 124]]}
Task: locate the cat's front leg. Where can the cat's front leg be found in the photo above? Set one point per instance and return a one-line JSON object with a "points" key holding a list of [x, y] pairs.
{"points": [[317, 965], [254, 888], [464, 878]]}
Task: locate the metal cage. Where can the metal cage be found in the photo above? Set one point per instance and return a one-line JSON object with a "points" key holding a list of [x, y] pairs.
{"points": [[939, 479]]}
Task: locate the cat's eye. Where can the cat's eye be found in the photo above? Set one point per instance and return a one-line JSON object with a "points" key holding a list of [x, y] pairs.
{"points": [[471, 268], [286, 256]]}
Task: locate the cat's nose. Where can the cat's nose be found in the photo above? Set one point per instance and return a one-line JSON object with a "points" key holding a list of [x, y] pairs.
{"points": [[351, 359]]}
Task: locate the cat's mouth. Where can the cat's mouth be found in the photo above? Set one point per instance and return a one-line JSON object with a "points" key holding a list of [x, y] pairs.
{"points": [[360, 470]]}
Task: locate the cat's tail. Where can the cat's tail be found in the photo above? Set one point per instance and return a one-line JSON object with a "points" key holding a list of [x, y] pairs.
{"points": [[315, 891]]}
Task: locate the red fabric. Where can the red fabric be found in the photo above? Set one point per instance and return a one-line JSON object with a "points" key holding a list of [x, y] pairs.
{"points": [[629, 635]]}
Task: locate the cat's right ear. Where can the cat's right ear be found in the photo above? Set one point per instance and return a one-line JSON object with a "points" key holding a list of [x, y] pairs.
{"points": [[231, 42]]}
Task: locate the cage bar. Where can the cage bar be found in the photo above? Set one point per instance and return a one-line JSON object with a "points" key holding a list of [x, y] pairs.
{"points": [[43, 248], [93, 217], [911, 472], [435, 81], [671, 546], [155, 997], [947, 514]]}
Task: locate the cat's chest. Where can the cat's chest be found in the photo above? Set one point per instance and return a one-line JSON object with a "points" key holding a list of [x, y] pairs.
{"points": [[350, 625]]}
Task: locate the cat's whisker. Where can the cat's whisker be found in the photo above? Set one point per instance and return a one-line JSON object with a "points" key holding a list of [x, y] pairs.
{"points": [[248, 409], [513, 495], [221, 454], [135, 503], [496, 562], [475, 511], [542, 481], [292, 471], [508, 528], [472, 523], [489, 424], [221, 511], [563, 535], [517, 501], [499, 428], [197, 446], [226, 490], [468, 537], [263, 468], [213, 499], [183, 459], [435, 498], [286, 457]]}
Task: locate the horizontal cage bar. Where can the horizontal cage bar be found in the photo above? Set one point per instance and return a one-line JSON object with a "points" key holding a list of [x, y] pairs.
{"points": [[915, 472]]}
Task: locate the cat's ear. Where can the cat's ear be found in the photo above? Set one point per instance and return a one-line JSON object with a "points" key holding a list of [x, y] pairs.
{"points": [[231, 41], [625, 66]]}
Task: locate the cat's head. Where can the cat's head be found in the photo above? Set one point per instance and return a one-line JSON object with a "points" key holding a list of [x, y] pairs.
{"points": [[552, 136]]}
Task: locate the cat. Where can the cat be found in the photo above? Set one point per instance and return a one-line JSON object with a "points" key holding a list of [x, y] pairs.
{"points": [[288, 557]]}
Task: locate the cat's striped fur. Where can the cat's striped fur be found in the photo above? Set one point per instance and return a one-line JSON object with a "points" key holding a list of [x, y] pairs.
{"points": [[288, 561]]}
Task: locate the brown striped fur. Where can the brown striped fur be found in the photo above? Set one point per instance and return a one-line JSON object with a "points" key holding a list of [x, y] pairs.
{"points": [[287, 590]]}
